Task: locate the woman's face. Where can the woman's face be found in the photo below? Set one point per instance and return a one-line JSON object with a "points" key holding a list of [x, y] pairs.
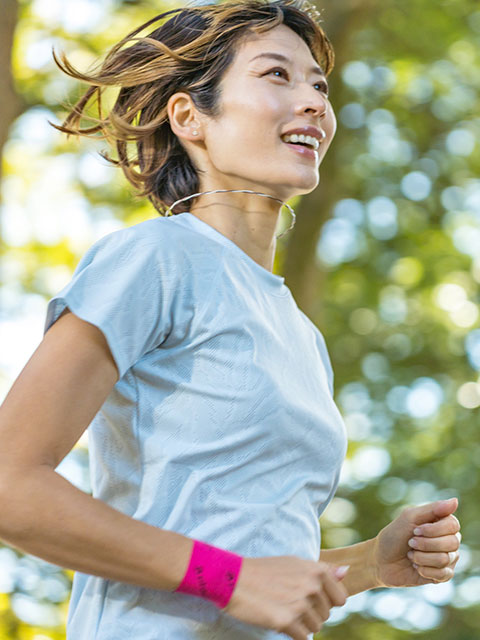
{"points": [[273, 86]]}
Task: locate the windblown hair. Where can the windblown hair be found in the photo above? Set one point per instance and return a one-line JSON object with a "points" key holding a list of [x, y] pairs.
{"points": [[189, 52]]}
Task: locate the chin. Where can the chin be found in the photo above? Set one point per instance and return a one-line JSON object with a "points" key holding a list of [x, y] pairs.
{"points": [[304, 185]]}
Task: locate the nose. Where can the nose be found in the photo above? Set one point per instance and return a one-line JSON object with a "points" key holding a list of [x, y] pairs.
{"points": [[313, 102]]}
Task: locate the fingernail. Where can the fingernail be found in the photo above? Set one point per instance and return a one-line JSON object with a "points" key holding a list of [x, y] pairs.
{"points": [[415, 566], [417, 531], [413, 543], [410, 555], [341, 572]]}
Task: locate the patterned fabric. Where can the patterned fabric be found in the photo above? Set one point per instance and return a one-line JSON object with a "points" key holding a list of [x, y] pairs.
{"points": [[222, 425]]}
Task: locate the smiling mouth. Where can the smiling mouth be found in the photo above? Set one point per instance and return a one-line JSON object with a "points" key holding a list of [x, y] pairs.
{"points": [[301, 140]]}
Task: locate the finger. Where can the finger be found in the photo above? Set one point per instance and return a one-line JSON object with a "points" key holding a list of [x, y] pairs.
{"points": [[432, 512], [340, 572], [322, 605], [312, 620], [298, 631], [443, 527], [432, 545], [454, 558], [334, 590], [438, 560], [436, 575]]}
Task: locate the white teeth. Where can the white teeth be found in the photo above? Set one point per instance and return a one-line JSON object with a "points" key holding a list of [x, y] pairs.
{"points": [[310, 140]]}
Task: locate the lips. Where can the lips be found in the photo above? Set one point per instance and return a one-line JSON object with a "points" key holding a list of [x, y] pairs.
{"points": [[303, 151]]}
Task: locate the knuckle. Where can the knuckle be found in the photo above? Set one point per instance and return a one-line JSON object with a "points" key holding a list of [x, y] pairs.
{"points": [[408, 512], [282, 621], [321, 570], [300, 608], [446, 574], [313, 587], [453, 525], [444, 560]]}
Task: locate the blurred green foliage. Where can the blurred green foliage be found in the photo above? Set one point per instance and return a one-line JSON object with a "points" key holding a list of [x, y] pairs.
{"points": [[397, 268]]}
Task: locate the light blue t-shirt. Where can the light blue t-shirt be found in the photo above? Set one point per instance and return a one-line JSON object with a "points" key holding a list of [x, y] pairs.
{"points": [[221, 427]]}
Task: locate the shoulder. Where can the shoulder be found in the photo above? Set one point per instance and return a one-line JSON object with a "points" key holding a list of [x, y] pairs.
{"points": [[150, 233], [155, 263], [162, 240]]}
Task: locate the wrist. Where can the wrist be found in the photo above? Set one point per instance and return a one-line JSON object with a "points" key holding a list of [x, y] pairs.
{"points": [[363, 573], [212, 573], [373, 562]]}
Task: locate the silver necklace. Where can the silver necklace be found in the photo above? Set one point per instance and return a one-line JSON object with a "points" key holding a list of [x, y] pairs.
{"points": [[168, 212]]}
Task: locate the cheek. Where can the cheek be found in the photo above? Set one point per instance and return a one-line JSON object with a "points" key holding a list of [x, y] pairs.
{"points": [[331, 122], [247, 123], [242, 144]]}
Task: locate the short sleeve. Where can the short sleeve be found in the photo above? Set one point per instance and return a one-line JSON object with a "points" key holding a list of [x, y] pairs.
{"points": [[122, 286]]}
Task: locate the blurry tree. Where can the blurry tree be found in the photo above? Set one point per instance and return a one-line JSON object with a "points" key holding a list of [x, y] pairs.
{"points": [[11, 104], [384, 257]]}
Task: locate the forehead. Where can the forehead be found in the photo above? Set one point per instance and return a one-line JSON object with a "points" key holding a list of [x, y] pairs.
{"points": [[281, 39]]}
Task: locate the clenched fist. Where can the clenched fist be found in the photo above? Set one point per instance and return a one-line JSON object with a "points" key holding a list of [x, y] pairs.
{"points": [[287, 594]]}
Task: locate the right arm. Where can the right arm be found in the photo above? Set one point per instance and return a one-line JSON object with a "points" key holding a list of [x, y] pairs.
{"points": [[51, 403]]}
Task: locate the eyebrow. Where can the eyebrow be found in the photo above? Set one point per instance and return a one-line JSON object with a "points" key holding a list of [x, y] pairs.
{"points": [[282, 58]]}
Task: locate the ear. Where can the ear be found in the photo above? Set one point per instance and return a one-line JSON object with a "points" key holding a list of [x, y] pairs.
{"points": [[183, 117]]}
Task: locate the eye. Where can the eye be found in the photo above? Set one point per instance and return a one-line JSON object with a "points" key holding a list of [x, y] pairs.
{"points": [[323, 86], [280, 70]]}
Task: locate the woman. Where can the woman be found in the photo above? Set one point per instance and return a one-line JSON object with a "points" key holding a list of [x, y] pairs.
{"points": [[214, 440]]}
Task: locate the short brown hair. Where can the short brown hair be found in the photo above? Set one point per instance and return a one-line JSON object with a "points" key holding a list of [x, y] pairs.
{"points": [[189, 52]]}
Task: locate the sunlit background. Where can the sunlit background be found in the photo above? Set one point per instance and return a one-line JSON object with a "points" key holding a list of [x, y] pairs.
{"points": [[397, 284]]}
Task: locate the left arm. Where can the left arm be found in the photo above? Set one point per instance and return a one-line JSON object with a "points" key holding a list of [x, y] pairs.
{"points": [[419, 547], [360, 558]]}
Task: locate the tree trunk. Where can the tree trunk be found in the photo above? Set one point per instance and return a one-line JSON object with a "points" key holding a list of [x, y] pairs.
{"points": [[302, 273], [11, 105]]}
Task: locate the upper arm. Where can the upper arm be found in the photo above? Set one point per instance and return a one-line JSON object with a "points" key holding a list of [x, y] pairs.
{"points": [[56, 395]]}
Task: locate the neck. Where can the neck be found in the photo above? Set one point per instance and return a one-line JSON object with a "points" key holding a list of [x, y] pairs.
{"points": [[248, 220]]}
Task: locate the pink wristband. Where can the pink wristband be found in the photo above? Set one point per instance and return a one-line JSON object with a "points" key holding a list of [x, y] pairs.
{"points": [[211, 574]]}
